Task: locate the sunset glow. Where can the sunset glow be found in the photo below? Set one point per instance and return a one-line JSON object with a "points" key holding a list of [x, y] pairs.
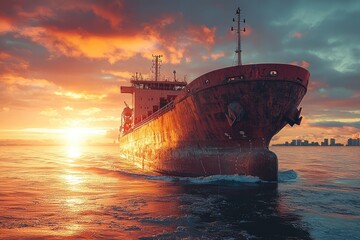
{"points": [[77, 136], [61, 65]]}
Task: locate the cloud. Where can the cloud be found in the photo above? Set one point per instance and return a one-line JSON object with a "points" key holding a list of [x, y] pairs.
{"points": [[121, 75], [76, 30], [50, 112], [214, 56], [72, 57], [326, 124], [90, 111], [68, 108], [303, 64], [111, 48], [10, 64], [75, 95], [13, 81], [5, 25], [297, 35], [202, 34]]}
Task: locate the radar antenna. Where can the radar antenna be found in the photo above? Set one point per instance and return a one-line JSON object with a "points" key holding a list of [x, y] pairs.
{"points": [[238, 31], [156, 66]]}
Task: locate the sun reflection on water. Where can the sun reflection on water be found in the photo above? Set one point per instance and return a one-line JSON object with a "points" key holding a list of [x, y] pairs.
{"points": [[72, 179], [73, 152]]}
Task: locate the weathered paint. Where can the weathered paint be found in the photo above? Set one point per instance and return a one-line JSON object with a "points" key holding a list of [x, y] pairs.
{"points": [[221, 123]]}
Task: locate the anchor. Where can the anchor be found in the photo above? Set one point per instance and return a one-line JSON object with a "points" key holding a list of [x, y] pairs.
{"points": [[294, 117], [235, 113]]}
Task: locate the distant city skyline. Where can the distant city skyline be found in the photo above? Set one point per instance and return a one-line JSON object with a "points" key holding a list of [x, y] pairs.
{"points": [[325, 142]]}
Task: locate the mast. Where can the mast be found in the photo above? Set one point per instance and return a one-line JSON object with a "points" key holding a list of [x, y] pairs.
{"points": [[238, 32], [156, 66]]}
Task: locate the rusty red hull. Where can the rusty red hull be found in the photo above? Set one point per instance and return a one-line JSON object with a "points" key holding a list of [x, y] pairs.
{"points": [[221, 124]]}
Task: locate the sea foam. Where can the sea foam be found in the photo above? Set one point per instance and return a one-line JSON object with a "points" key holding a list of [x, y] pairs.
{"points": [[287, 176], [215, 179]]}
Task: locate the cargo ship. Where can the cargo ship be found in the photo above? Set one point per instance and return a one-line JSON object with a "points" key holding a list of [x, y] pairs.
{"points": [[221, 123]]}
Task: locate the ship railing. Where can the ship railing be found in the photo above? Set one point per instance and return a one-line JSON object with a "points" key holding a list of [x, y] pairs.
{"points": [[156, 114]]}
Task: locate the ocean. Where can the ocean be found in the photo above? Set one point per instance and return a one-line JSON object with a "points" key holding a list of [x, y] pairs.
{"points": [[76, 192]]}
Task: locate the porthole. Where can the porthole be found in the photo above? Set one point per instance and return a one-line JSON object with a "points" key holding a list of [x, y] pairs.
{"points": [[273, 73], [207, 81]]}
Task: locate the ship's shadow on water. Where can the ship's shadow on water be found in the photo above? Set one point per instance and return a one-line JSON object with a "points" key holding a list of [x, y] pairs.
{"points": [[234, 210]]}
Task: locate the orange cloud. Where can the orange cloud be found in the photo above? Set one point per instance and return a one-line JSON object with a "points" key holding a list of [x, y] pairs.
{"points": [[11, 64], [112, 11], [214, 56], [112, 16], [175, 54], [14, 82], [38, 11], [316, 85], [122, 75], [75, 95], [50, 112], [356, 135], [202, 34], [5, 25], [297, 35], [248, 31], [112, 48], [175, 47], [303, 64], [117, 47], [119, 40], [90, 111]]}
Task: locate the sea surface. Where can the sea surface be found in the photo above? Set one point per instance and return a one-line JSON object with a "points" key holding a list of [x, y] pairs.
{"points": [[73, 192]]}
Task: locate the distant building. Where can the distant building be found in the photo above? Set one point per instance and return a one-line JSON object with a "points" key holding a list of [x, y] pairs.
{"points": [[353, 142], [299, 142], [325, 142]]}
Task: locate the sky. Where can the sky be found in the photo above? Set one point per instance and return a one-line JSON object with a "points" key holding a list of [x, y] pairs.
{"points": [[62, 62]]}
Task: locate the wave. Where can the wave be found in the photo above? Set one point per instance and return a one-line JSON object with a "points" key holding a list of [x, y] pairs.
{"points": [[287, 176], [283, 176], [215, 179]]}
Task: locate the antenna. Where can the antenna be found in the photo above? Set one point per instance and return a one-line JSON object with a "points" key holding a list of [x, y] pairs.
{"points": [[238, 31], [174, 72], [156, 65]]}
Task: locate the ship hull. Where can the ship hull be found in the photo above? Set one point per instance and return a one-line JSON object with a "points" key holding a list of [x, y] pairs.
{"points": [[220, 124]]}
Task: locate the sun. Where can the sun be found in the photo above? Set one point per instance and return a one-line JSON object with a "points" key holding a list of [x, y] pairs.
{"points": [[79, 136], [74, 136]]}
